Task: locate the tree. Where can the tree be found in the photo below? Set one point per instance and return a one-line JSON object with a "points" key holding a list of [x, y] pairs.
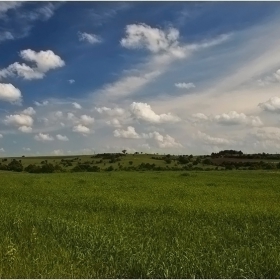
{"points": [[124, 151]]}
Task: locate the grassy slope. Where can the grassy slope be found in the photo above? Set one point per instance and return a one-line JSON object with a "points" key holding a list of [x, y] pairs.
{"points": [[140, 225], [136, 159]]}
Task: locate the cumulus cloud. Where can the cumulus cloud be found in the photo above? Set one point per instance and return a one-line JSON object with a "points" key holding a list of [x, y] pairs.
{"points": [[43, 137], [114, 122], [19, 120], [129, 133], [144, 112], [162, 141], [271, 105], [270, 79], [155, 40], [21, 70], [86, 120], [234, 118], [112, 112], [25, 129], [29, 111], [44, 60], [2, 150], [267, 133], [90, 38], [58, 114], [26, 149], [81, 129], [62, 137], [185, 85], [200, 116], [71, 81], [10, 93], [76, 105], [231, 118], [209, 140], [70, 116], [40, 104]]}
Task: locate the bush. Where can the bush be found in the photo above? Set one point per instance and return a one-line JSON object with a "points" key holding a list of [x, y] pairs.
{"points": [[15, 165], [110, 168], [32, 168]]}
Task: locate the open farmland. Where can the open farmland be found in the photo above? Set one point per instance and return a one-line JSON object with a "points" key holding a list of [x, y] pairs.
{"points": [[140, 225]]}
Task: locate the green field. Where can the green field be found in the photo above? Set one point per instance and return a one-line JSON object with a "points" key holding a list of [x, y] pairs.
{"points": [[140, 225]]}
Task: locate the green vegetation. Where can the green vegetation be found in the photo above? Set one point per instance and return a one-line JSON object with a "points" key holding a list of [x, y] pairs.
{"points": [[224, 160], [139, 224]]}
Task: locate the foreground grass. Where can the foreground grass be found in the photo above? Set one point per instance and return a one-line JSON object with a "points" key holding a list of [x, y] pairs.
{"points": [[140, 225]]}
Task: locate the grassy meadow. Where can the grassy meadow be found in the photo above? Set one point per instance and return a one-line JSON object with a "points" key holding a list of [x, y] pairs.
{"points": [[140, 225]]}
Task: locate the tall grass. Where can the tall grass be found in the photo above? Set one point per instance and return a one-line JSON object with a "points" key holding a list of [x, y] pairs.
{"points": [[140, 225]]}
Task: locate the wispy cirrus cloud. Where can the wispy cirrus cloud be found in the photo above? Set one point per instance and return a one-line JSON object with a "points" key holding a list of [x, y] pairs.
{"points": [[20, 21]]}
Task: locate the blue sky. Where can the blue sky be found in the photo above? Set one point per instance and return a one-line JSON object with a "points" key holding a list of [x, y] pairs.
{"points": [[167, 77]]}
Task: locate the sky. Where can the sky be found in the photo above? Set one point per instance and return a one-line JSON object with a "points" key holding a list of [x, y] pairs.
{"points": [[152, 77]]}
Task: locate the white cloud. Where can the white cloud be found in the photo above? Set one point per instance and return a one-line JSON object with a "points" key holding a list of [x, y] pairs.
{"points": [[22, 70], [58, 114], [155, 40], [185, 85], [76, 105], [90, 38], [6, 35], [114, 112], [10, 93], [70, 116], [144, 112], [1, 136], [209, 140], [234, 118], [29, 111], [145, 146], [25, 129], [57, 152], [26, 149], [86, 120], [272, 105], [43, 137], [71, 81], [19, 120], [62, 138], [162, 141], [267, 133], [2, 150], [44, 60], [45, 121], [47, 11], [7, 5], [200, 116], [270, 79], [44, 103], [114, 122], [129, 84], [81, 129], [129, 133], [165, 49]]}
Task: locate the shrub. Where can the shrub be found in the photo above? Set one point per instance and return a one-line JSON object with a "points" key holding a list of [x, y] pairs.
{"points": [[15, 165]]}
